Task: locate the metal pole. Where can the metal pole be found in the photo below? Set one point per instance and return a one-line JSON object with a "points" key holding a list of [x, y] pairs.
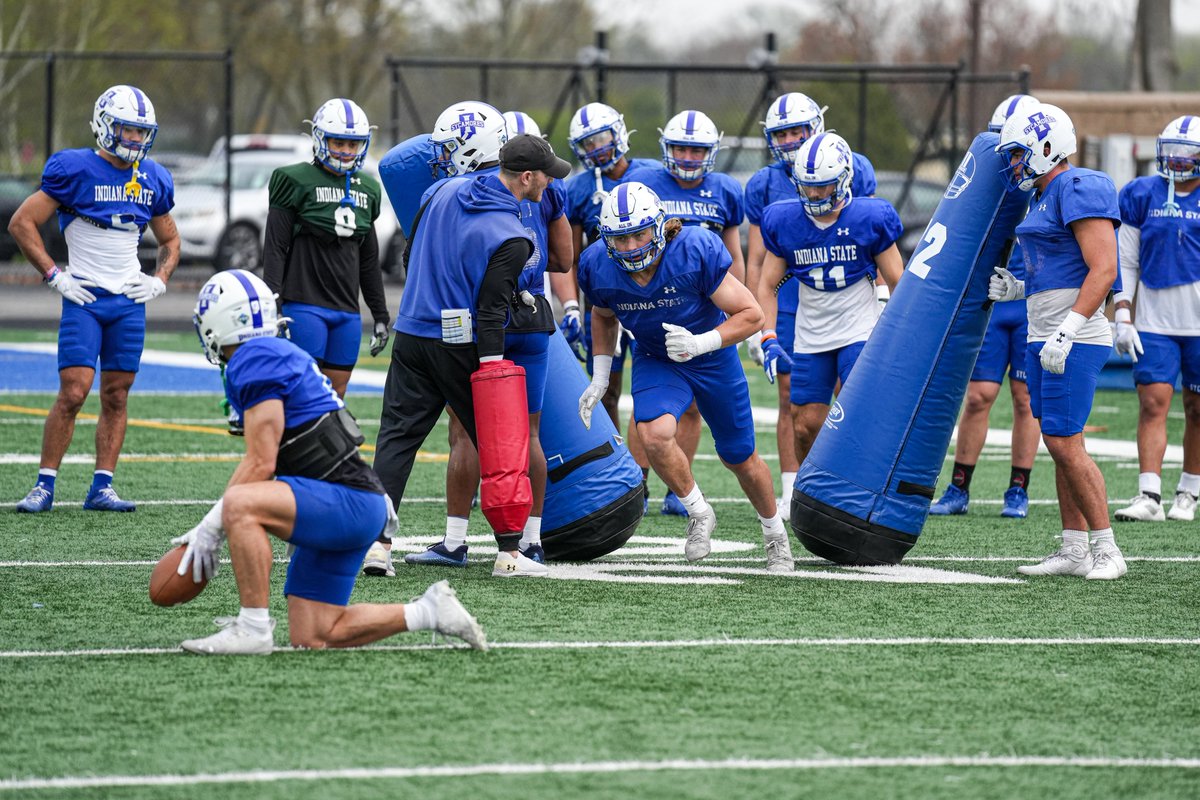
{"points": [[228, 136], [862, 111], [483, 82], [672, 92], [955, 86], [49, 105], [394, 97], [601, 61]]}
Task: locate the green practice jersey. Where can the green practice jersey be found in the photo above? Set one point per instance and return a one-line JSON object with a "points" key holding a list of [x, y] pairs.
{"points": [[316, 197]]}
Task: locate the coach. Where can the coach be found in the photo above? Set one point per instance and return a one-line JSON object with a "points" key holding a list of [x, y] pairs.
{"points": [[469, 247]]}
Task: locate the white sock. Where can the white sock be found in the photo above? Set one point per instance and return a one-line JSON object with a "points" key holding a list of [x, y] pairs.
{"points": [[1075, 537], [694, 502], [1150, 482], [420, 615], [456, 533], [532, 533], [787, 481], [1103, 537], [772, 524], [255, 619], [53, 473], [1189, 483]]}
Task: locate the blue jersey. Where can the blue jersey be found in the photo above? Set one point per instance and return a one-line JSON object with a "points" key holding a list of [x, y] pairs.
{"points": [[583, 208], [536, 217], [406, 174], [716, 203], [1053, 259], [836, 257], [466, 221], [271, 368], [90, 188], [1016, 261], [1169, 244], [692, 266]]}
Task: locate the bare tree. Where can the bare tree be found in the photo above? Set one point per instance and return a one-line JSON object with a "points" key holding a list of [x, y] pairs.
{"points": [[1152, 65]]}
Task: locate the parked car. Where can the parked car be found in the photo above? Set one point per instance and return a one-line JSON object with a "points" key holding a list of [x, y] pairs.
{"points": [[917, 208], [237, 243], [13, 192]]}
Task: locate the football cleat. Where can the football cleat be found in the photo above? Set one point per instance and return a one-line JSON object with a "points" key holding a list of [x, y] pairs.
{"points": [[1016, 503], [453, 619], [534, 552], [1068, 559], [1142, 508], [106, 500], [1107, 563], [233, 640], [39, 499], [699, 535], [784, 507], [1184, 507], [954, 501], [519, 567], [379, 561], [673, 506], [436, 555], [779, 552]]}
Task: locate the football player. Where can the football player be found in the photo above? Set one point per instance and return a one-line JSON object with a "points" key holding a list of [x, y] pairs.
{"points": [[792, 119], [321, 250], [1159, 243], [670, 285], [104, 200], [1003, 351], [837, 246], [1070, 246]]}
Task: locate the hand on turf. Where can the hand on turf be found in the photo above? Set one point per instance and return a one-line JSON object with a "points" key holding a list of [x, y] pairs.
{"points": [[69, 287], [203, 544], [754, 348], [144, 288], [772, 353], [380, 339], [1003, 286]]}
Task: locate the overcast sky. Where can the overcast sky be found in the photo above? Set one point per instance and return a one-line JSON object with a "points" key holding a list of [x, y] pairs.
{"points": [[683, 20]]}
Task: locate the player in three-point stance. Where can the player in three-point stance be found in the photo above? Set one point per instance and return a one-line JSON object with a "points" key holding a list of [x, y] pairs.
{"points": [[670, 286], [104, 199], [1070, 246]]}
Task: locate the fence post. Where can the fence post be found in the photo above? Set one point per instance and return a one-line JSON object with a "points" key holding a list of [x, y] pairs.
{"points": [[953, 155], [228, 135], [394, 101], [601, 61], [862, 111], [49, 105]]}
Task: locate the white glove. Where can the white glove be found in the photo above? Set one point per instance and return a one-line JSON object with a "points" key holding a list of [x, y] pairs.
{"points": [[882, 295], [391, 526], [601, 368], [754, 348], [1129, 341], [144, 288], [683, 345], [1003, 286], [1058, 346], [203, 543], [66, 285]]}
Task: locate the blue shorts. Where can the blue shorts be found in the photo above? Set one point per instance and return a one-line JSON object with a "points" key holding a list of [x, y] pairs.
{"points": [[626, 342], [1165, 357], [530, 350], [1004, 344], [814, 375], [330, 337], [335, 527], [112, 329], [785, 329], [717, 384], [1062, 402]]}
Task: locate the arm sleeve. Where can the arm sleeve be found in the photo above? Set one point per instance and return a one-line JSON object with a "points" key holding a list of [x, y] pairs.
{"points": [[277, 246], [1129, 243], [499, 281], [370, 278]]}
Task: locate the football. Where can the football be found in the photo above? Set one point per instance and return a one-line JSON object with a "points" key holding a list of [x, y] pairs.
{"points": [[168, 588]]}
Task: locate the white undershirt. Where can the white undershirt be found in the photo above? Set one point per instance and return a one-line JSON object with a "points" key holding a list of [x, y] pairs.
{"points": [[106, 256]]}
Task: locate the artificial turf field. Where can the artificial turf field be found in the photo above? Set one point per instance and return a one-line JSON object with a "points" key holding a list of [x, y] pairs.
{"points": [[639, 676]]}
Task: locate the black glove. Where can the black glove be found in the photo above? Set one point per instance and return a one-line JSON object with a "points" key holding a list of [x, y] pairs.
{"points": [[380, 339]]}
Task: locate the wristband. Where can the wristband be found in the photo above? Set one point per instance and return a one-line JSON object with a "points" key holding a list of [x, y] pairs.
{"points": [[570, 304], [1122, 315], [1072, 323], [769, 333], [52, 274], [601, 369], [709, 341]]}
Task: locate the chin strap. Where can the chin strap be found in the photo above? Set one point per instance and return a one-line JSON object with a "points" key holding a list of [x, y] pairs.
{"points": [[1171, 206], [134, 189], [346, 199]]}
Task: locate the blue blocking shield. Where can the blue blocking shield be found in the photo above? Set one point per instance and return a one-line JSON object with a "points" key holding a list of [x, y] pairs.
{"points": [[863, 492], [593, 486], [405, 173]]}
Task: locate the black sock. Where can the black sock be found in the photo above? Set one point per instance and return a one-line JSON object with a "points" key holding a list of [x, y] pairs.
{"points": [[962, 475], [1019, 477]]}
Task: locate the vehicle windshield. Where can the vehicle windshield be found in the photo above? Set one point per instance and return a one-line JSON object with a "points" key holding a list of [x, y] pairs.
{"points": [[250, 171]]}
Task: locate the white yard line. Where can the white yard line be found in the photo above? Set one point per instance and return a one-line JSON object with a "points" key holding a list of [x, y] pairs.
{"points": [[377, 773]]}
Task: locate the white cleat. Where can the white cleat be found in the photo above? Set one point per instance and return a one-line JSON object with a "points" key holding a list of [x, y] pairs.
{"points": [[1184, 507], [233, 640], [779, 552], [1069, 559], [379, 561], [784, 504], [699, 535], [453, 619], [1142, 508], [519, 567], [1107, 564]]}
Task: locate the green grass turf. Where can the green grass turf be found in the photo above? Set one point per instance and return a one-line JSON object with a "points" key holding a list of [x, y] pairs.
{"points": [[169, 713]]}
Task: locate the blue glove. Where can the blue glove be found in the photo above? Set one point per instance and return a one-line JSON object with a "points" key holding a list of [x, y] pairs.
{"points": [[572, 329], [772, 352]]}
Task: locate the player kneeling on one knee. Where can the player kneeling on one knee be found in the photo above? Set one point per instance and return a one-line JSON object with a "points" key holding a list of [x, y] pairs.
{"points": [[301, 481], [670, 286]]}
